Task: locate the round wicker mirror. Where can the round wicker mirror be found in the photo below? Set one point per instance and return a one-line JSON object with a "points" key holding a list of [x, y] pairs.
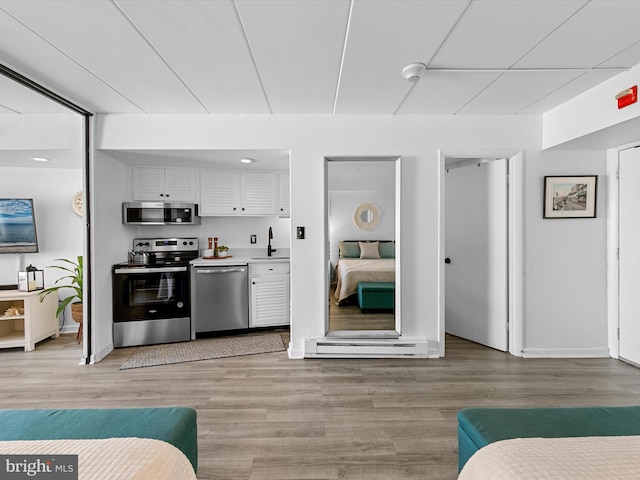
{"points": [[366, 216]]}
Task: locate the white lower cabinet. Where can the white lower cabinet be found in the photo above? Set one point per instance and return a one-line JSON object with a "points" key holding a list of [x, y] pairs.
{"points": [[269, 291]]}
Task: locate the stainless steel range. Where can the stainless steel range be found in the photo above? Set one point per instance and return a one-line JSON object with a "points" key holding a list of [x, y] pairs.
{"points": [[151, 292]]}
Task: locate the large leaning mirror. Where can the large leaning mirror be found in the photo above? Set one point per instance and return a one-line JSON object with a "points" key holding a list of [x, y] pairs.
{"points": [[43, 159], [363, 247]]}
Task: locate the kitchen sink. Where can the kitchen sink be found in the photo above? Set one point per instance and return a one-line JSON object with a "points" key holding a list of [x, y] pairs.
{"points": [[270, 258]]}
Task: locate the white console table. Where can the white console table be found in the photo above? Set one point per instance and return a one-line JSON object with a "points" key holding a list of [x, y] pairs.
{"points": [[38, 322]]}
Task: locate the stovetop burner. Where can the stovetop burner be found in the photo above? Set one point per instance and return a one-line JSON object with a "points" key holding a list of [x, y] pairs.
{"points": [[165, 252]]}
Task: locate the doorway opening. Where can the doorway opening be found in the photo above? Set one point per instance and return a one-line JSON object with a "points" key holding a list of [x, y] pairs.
{"points": [[481, 250]]}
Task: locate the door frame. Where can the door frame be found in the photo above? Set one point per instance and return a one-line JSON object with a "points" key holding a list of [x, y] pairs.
{"points": [[613, 288], [515, 244]]}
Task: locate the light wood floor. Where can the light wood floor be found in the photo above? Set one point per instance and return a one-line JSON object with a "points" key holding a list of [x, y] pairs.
{"points": [[350, 317], [268, 417]]}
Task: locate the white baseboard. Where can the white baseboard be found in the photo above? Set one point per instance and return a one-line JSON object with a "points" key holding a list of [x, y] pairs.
{"points": [[294, 354], [70, 328], [594, 352], [96, 357]]}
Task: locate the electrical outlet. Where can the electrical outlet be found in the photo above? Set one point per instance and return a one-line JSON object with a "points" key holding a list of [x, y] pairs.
{"points": [[253, 239], [300, 233]]}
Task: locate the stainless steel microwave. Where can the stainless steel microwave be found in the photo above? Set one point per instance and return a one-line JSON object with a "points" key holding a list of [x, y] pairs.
{"points": [[160, 213]]}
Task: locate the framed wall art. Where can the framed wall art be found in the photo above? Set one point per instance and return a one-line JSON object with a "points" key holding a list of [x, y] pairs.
{"points": [[570, 196]]}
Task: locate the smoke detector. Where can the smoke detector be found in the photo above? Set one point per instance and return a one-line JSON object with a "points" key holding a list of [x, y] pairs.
{"points": [[414, 71]]}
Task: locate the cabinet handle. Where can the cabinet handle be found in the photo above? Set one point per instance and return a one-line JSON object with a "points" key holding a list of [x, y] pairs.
{"points": [[162, 194]]}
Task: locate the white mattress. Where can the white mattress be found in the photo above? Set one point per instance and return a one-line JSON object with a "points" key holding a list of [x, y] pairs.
{"points": [[112, 458], [579, 458]]}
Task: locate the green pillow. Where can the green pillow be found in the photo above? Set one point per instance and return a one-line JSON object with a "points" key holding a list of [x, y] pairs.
{"points": [[349, 250], [387, 249]]}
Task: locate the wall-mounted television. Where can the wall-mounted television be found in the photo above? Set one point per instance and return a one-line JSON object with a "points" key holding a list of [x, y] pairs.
{"points": [[17, 226]]}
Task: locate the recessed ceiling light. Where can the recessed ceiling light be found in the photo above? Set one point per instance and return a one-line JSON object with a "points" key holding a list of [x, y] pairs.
{"points": [[40, 159], [247, 160]]}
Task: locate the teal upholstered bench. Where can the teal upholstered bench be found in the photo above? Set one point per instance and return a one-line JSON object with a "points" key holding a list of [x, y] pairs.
{"points": [[478, 427], [376, 295], [174, 425]]}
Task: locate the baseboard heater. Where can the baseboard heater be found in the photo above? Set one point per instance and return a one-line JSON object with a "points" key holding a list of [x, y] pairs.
{"points": [[363, 348]]}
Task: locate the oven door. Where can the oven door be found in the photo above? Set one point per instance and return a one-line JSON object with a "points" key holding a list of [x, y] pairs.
{"points": [[150, 293]]}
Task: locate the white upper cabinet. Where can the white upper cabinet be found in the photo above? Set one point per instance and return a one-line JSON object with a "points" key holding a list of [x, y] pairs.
{"points": [[258, 193], [284, 195], [164, 184], [224, 192], [219, 192]]}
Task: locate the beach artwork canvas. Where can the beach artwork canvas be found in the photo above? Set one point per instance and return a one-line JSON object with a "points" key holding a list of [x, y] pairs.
{"points": [[17, 226]]}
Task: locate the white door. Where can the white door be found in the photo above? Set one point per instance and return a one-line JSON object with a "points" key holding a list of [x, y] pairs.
{"points": [[476, 247], [629, 261]]}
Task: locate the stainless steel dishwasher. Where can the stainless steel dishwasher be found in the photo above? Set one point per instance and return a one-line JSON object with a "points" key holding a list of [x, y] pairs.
{"points": [[219, 299]]}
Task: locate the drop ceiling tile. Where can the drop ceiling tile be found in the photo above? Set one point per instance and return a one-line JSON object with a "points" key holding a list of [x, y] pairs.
{"points": [[91, 53], [204, 43], [297, 47], [33, 57], [497, 33], [628, 57], [599, 31], [514, 91], [96, 35], [445, 92], [383, 38], [574, 87]]}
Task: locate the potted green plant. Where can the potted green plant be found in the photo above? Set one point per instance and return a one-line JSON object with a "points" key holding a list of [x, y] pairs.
{"points": [[75, 277]]}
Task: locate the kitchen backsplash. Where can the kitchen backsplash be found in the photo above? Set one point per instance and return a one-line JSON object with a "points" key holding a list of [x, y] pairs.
{"points": [[234, 232]]}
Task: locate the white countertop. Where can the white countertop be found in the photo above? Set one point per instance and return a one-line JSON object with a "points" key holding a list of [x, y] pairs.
{"points": [[244, 256], [225, 262]]}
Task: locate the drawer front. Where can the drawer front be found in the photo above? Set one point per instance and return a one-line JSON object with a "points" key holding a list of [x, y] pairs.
{"points": [[269, 267]]}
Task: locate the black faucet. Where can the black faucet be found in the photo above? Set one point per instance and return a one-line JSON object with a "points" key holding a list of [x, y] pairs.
{"points": [[269, 249]]}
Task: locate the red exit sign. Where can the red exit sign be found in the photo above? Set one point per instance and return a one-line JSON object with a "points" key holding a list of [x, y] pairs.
{"points": [[627, 97]]}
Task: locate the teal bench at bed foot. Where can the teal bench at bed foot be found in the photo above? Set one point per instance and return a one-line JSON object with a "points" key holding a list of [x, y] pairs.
{"points": [[376, 295], [174, 425], [478, 427]]}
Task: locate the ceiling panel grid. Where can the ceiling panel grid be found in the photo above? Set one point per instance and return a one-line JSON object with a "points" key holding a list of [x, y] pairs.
{"points": [[317, 56]]}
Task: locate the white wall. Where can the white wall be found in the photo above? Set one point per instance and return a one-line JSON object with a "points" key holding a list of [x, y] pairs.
{"points": [[595, 112], [60, 231], [417, 139], [31, 132], [565, 264], [109, 243]]}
